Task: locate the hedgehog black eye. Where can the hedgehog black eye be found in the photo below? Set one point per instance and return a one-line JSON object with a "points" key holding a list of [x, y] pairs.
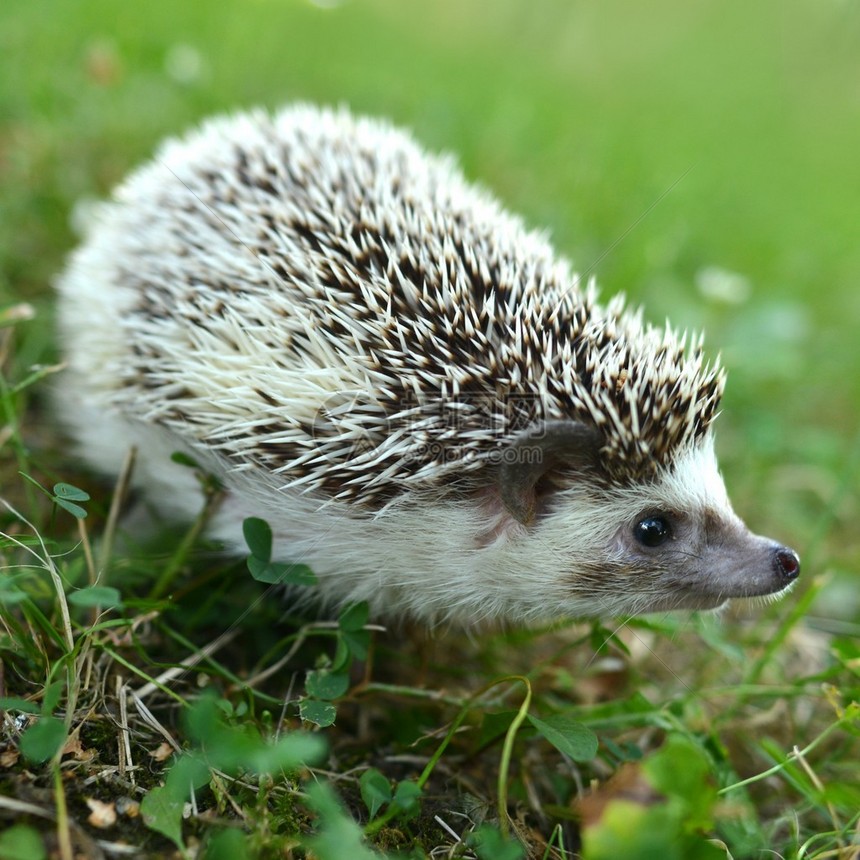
{"points": [[652, 531]]}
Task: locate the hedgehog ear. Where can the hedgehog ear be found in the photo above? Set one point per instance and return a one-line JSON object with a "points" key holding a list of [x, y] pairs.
{"points": [[537, 450]]}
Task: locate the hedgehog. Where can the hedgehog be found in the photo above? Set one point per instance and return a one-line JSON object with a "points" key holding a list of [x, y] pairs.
{"points": [[417, 393]]}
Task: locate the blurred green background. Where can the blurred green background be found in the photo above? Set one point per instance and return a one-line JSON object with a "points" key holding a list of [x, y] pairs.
{"points": [[701, 157]]}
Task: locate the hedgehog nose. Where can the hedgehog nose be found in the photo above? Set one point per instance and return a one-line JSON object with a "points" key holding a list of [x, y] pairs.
{"points": [[787, 563]]}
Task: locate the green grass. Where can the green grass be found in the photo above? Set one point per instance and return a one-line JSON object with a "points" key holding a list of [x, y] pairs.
{"points": [[700, 158]]}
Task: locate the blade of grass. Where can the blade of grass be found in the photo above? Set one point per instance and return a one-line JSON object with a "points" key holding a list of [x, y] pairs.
{"points": [[178, 559], [119, 495]]}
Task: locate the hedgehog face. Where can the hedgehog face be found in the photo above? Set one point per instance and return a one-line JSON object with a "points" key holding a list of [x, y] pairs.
{"points": [[701, 558], [671, 543]]}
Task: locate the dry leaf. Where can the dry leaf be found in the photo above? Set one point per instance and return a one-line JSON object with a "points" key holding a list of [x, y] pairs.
{"points": [[162, 752], [127, 807], [102, 815], [9, 757], [629, 783], [73, 747]]}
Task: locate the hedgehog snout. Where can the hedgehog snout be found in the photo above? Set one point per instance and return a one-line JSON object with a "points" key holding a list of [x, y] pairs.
{"points": [[749, 565], [786, 563]]}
